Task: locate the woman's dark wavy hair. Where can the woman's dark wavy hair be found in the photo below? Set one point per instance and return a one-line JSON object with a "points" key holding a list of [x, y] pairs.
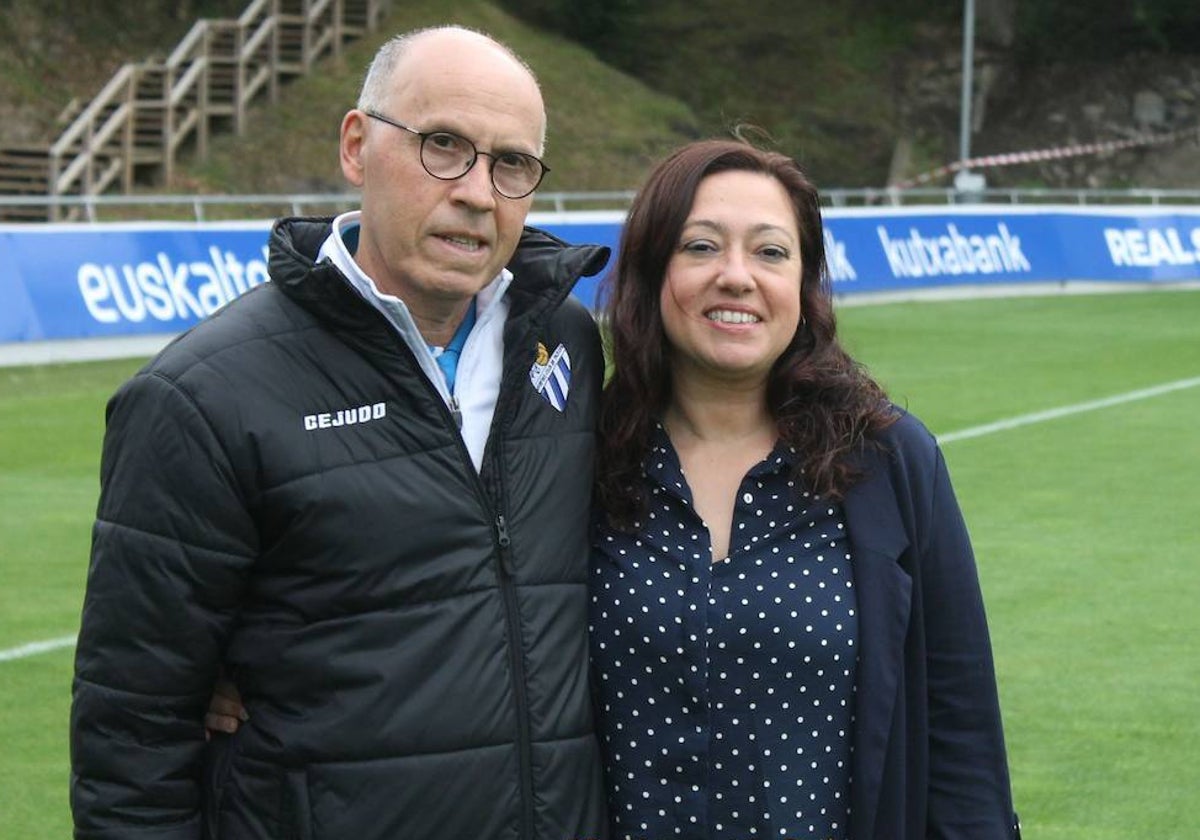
{"points": [[825, 403]]}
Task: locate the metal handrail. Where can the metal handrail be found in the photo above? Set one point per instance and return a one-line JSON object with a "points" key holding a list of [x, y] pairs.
{"points": [[892, 196], [261, 33], [193, 40], [202, 206], [189, 82], [116, 86], [91, 149], [329, 37], [252, 12]]}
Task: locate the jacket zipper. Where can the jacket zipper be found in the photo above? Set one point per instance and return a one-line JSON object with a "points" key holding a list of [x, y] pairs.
{"points": [[508, 593], [517, 665]]}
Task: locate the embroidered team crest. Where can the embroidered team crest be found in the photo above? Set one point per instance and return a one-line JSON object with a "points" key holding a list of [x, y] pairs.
{"points": [[551, 375]]}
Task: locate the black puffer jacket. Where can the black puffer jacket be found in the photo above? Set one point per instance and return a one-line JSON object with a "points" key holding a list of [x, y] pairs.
{"points": [[284, 492]]}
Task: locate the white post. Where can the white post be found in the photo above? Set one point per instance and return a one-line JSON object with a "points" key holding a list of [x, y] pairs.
{"points": [[964, 129], [966, 181]]}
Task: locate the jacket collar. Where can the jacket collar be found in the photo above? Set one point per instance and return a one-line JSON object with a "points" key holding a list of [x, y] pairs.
{"points": [[545, 269]]}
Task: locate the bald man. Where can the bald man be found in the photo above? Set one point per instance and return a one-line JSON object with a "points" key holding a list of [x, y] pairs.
{"points": [[362, 490]]}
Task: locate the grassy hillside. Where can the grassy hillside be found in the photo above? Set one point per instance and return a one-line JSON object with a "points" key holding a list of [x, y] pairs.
{"points": [[604, 126], [842, 86], [815, 83], [56, 51], [818, 84], [819, 77]]}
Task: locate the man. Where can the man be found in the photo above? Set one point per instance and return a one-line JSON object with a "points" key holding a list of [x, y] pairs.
{"points": [[363, 490]]}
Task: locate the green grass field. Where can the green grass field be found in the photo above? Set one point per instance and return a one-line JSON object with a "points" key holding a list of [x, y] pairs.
{"points": [[1086, 526]]}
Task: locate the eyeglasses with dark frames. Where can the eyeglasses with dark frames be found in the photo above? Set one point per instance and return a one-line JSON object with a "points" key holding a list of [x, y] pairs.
{"points": [[448, 157]]}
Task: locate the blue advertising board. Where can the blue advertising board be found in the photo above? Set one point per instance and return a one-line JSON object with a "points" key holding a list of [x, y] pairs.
{"points": [[88, 281], [894, 250]]}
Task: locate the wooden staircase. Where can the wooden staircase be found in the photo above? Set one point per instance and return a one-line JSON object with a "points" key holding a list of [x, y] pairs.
{"points": [[135, 128], [24, 171]]}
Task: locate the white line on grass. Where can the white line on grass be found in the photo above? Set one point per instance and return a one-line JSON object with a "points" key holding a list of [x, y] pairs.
{"points": [[1068, 410], [34, 648]]}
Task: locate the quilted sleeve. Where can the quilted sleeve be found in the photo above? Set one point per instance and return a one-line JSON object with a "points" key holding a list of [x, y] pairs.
{"points": [[171, 546]]}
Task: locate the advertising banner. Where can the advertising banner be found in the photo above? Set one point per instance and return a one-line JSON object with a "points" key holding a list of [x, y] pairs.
{"points": [[97, 280], [89, 281], [897, 249]]}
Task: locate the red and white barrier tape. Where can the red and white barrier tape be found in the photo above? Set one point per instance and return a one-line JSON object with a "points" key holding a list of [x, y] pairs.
{"points": [[1034, 155]]}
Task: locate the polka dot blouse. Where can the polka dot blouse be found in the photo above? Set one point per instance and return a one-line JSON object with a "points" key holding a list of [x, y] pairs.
{"points": [[726, 689]]}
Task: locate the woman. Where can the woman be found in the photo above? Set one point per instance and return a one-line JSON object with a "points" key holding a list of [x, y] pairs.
{"points": [[787, 631]]}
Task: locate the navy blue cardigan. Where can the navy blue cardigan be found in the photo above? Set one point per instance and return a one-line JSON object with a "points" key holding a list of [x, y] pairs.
{"points": [[929, 758]]}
